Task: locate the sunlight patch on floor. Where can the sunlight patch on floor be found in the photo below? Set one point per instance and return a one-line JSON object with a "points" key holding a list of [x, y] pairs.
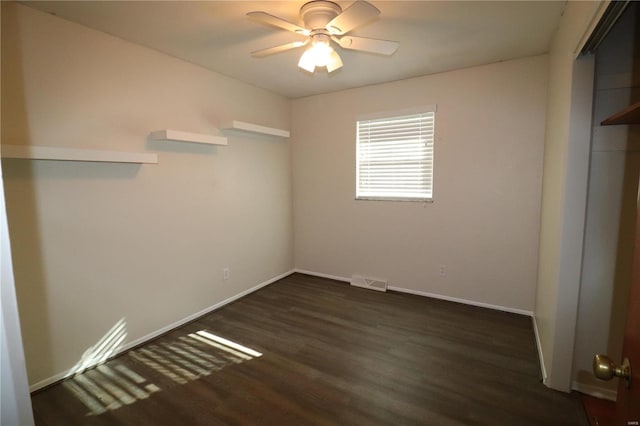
{"points": [[186, 358]]}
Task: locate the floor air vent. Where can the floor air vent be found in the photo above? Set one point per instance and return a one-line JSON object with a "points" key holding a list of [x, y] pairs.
{"points": [[370, 283]]}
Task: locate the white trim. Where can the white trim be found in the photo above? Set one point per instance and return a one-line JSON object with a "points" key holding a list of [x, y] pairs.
{"points": [[14, 384], [321, 275], [426, 294], [602, 8], [595, 391], [543, 370], [153, 335]]}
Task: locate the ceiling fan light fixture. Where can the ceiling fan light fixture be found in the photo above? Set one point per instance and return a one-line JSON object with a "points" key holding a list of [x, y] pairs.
{"points": [[334, 61], [307, 61], [324, 20], [320, 54]]}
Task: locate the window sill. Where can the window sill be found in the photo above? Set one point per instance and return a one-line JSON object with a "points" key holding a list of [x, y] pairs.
{"points": [[413, 200]]}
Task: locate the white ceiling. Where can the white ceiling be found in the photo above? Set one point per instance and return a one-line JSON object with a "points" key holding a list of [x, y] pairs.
{"points": [[434, 36]]}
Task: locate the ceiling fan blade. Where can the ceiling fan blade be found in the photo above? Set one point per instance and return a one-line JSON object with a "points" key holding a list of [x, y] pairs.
{"points": [[371, 45], [357, 14], [277, 49], [278, 22]]}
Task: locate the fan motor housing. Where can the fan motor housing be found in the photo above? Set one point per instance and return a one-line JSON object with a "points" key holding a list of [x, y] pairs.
{"points": [[317, 14]]}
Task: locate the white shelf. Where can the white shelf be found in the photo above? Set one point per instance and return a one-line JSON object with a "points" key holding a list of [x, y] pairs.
{"points": [[180, 136], [255, 128], [31, 152]]}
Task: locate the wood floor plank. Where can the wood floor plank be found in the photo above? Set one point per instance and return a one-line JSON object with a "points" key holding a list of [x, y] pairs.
{"points": [[331, 354]]}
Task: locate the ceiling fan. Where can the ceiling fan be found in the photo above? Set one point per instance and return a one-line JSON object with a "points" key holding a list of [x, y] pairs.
{"points": [[324, 21]]}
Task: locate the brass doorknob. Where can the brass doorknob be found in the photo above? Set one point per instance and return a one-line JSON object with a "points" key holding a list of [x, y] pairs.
{"points": [[605, 369]]}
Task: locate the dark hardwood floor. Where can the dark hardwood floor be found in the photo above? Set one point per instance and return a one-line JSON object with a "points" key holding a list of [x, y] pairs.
{"points": [[324, 353]]}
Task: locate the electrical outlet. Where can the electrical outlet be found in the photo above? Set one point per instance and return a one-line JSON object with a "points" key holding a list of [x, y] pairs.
{"points": [[443, 270], [226, 273]]}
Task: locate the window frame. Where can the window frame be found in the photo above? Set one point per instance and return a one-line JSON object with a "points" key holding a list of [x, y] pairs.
{"points": [[390, 115]]}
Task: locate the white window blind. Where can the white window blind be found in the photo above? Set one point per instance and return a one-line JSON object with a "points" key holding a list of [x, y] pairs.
{"points": [[395, 157]]}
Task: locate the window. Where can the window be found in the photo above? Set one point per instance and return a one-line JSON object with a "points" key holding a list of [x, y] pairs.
{"points": [[395, 157]]}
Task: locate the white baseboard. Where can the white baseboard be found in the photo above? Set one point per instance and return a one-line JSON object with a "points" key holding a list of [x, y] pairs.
{"points": [[426, 294], [543, 370], [321, 275], [63, 375], [463, 301], [595, 391]]}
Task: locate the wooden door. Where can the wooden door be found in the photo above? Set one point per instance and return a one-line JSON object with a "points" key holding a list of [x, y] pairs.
{"points": [[626, 410], [627, 407]]}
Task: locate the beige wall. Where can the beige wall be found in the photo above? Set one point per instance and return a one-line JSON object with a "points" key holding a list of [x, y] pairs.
{"points": [[611, 211], [483, 225], [94, 243], [566, 156]]}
